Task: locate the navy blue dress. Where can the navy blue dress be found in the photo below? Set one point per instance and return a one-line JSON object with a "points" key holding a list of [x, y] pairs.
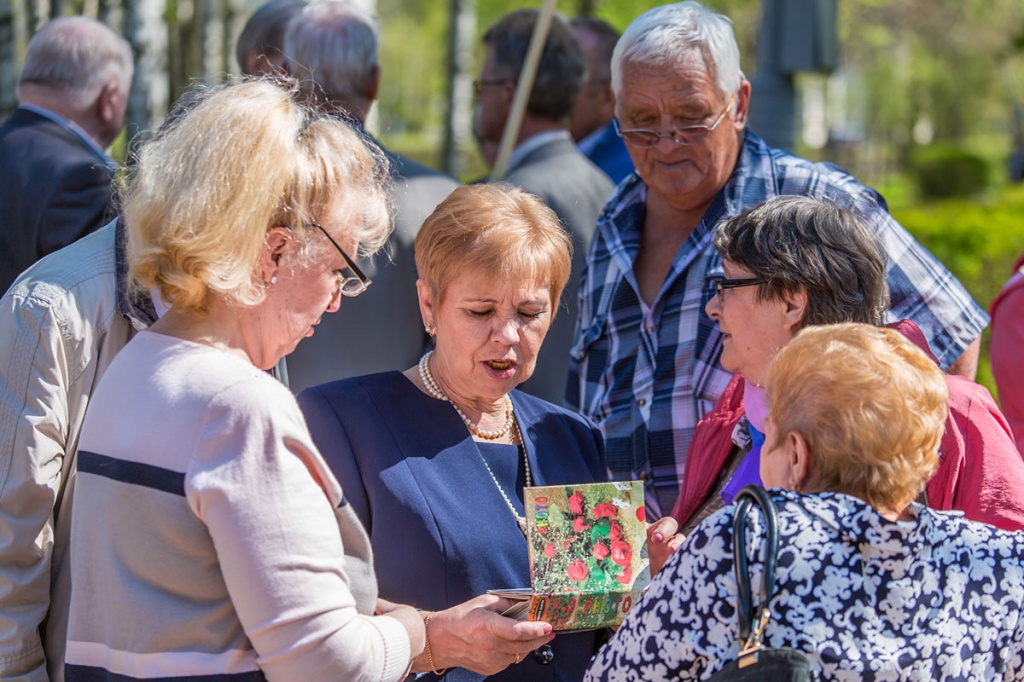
{"points": [[441, 531]]}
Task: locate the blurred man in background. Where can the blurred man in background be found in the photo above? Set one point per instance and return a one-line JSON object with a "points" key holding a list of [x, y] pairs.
{"points": [[592, 125], [545, 160], [331, 50], [57, 179]]}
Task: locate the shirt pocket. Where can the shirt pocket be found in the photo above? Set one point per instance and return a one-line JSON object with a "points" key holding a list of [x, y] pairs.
{"points": [[587, 338]]}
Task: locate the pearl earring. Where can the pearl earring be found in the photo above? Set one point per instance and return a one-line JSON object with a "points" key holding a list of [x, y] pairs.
{"points": [[273, 279], [429, 329]]}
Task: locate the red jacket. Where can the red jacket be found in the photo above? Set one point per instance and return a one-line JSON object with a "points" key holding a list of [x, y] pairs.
{"points": [[980, 470], [1006, 350]]}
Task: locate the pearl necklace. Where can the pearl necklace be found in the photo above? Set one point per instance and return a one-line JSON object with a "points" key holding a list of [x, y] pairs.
{"points": [[435, 390]]}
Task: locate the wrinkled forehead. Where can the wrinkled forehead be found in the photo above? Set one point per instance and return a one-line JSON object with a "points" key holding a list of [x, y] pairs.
{"points": [[685, 82]]}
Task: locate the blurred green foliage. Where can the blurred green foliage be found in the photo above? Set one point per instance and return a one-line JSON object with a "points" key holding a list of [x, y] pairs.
{"points": [[978, 240], [944, 172]]}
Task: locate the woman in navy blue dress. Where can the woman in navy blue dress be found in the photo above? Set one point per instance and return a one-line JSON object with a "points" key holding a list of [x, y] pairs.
{"points": [[434, 459]]}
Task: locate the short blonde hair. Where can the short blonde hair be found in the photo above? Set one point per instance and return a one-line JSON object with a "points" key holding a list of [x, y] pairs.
{"points": [[870, 404], [499, 229], [244, 158]]}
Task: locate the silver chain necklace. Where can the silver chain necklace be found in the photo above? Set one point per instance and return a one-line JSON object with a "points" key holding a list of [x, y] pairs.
{"points": [[435, 391]]}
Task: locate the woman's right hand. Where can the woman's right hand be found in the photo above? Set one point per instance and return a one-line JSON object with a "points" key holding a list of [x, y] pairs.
{"points": [[662, 541], [474, 635]]}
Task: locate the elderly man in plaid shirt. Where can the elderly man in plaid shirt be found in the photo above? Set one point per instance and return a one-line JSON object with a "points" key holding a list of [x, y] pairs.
{"points": [[644, 364]]}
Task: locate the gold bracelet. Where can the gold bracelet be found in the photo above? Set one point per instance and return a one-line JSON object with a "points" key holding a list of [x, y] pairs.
{"points": [[426, 637]]}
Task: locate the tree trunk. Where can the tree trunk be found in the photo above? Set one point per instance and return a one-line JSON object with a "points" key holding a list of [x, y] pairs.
{"points": [[111, 13], [234, 22], [458, 125], [8, 59], [212, 40], [146, 32], [35, 16]]}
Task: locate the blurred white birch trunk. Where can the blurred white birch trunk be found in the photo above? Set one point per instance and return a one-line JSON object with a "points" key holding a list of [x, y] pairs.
{"points": [[458, 125], [145, 30]]}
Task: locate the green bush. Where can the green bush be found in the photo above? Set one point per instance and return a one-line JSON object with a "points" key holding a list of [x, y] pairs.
{"points": [[945, 172], [978, 241]]}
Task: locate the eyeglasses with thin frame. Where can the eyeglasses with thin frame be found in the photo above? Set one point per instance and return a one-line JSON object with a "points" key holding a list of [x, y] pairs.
{"points": [[348, 286], [686, 136], [721, 284]]}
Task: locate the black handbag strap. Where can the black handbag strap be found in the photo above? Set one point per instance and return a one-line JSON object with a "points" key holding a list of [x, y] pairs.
{"points": [[748, 615]]}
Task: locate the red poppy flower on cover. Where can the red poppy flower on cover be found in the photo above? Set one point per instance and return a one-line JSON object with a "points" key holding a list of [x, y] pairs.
{"points": [[549, 551], [621, 552], [641, 514], [578, 570], [579, 524], [605, 509], [600, 551], [576, 502]]}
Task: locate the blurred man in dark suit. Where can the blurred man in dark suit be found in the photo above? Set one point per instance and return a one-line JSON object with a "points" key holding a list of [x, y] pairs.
{"points": [[592, 125], [55, 177], [331, 50], [545, 160]]}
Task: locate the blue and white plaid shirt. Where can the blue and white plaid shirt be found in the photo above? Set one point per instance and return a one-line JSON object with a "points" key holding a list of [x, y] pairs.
{"points": [[647, 374]]}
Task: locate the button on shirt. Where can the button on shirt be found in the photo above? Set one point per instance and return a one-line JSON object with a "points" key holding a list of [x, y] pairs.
{"points": [[647, 374]]}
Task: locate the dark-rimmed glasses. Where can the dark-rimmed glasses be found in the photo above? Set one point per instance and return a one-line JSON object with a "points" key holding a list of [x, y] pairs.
{"points": [[347, 286], [721, 284], [687, 136]]}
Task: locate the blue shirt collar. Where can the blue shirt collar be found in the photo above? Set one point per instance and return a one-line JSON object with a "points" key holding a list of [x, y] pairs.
{"points": [[73, 128]]}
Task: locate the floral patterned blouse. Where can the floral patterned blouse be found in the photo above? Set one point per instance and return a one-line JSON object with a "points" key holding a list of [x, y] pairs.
{"points": [[935, 598]]}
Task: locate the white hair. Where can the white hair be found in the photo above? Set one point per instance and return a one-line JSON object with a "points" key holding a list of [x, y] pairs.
{"points": [[331, 47], [662, 35], [78, 56]]}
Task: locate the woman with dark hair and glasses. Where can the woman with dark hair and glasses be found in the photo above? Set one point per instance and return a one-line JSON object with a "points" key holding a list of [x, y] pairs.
{"points": [[210, 538], [434, 459], [869, 583], [793, 262]]}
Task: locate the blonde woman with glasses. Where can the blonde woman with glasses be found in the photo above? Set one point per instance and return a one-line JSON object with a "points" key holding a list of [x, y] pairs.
{"points": [[210, 540]]}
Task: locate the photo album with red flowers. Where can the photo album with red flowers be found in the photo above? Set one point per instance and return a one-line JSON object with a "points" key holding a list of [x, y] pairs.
{"points": [[588, 555]]}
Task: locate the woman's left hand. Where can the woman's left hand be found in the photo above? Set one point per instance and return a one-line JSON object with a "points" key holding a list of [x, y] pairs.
{"points": [[474, 635], [662, 541]]}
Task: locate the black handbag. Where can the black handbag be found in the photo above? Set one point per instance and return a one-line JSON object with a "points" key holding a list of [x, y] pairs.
{"points": [[757, 661]]}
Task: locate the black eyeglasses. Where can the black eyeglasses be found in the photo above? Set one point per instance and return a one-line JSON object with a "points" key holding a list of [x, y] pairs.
{"points": [[348, 286], [721, 284]]}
